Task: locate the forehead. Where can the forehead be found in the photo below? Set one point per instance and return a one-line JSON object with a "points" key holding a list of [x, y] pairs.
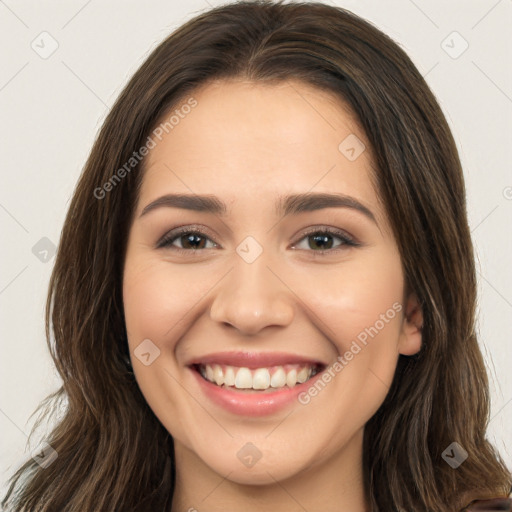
{"points": [[242, 137]]}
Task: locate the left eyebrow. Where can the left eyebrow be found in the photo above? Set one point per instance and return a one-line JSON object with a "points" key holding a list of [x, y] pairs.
{"points": [[298, 203], [285, 205]]}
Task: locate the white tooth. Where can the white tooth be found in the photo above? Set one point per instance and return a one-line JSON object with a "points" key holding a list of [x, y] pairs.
{"points": [[229, 376], [243, 379], [278, 380], [291, 378], [218, 375], [209, 373], [302, 376], [261, 379]]}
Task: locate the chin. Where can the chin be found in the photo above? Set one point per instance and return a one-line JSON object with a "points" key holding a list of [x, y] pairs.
{"points": [[271, 467], [260, 474]]}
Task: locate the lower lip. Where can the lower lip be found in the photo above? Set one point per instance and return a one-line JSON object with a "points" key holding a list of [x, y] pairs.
{"points": [[257, 403]]}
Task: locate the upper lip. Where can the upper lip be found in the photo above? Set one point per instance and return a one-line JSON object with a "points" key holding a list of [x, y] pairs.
{"points": [[254, 360]]}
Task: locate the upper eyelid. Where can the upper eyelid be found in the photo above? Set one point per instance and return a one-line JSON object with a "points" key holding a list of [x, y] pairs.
{"points": [[202, 230], [327, 229]]}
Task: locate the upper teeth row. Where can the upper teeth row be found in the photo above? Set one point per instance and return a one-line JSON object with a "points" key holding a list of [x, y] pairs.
{"points": [[261, 378]]}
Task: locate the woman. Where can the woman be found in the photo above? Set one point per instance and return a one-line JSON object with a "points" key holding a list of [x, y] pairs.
{"points": [[210, 359]]}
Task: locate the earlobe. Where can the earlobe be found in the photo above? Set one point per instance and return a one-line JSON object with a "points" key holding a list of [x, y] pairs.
{"points": [[411, 337]]}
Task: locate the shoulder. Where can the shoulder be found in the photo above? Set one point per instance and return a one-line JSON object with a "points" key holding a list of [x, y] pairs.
{"points": [[503, 504]]}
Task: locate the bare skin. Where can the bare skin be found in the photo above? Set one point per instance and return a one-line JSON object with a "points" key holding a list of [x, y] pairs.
{"points": [[249, 144]]}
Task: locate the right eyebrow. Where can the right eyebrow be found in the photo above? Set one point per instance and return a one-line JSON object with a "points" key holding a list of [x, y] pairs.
{"points": [[204, 203]]}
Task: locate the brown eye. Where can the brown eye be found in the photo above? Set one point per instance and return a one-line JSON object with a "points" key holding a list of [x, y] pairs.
{"points": [[189, 239], [322, 240]]}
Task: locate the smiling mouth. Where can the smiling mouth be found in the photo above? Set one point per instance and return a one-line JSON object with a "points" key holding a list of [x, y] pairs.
{"points": [[265, 379]]}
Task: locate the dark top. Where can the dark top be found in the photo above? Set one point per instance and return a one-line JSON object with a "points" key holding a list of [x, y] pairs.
{"points": [[490, 505]]}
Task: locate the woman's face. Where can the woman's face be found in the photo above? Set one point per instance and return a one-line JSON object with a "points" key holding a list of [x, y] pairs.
{"points": [[261, 295]]}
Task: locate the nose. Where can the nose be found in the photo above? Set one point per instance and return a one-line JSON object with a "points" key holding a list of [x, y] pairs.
{"points": [[251, 297]]}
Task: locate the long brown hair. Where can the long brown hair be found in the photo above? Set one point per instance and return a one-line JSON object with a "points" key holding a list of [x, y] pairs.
{"points": [[113, 453]]}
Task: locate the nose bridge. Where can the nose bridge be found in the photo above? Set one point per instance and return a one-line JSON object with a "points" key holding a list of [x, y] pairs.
{"points": [[251, 296]]}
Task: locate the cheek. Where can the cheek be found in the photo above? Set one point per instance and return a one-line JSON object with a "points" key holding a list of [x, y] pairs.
{"points": [[361, 312], [361, 301], [159, 300], [158, 305]]}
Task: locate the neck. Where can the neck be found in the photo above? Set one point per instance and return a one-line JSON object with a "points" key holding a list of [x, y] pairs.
{"points": [[334, 484]]}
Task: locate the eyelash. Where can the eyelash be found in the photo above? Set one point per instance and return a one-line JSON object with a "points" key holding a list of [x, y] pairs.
{"points": [[167, 240]]}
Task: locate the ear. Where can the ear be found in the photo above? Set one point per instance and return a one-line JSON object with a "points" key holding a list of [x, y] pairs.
{"points": [[410, 338]]}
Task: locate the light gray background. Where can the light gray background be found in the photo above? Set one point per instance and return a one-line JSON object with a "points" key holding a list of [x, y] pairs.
{"points": [[52, 108]]}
